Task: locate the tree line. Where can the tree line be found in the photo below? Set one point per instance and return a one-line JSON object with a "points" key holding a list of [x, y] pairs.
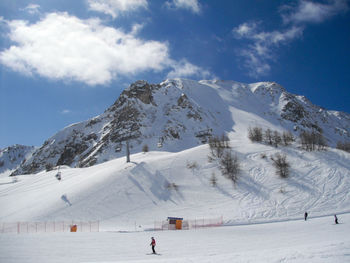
{"points": [[310, 141]]}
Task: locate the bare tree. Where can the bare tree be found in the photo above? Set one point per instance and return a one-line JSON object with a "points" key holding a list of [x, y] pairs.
{"points": [[311, 141], [145, 148], [345, 146], [225, 141], [306, 141], [192, 166], [213, 180], [268, 136], [287, 138], [276, 138], [217, 147], [255, 134], [230, 166], [281, 164], [321, 141]]}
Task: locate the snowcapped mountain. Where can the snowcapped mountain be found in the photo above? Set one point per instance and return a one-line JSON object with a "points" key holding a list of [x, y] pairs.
{"points": [[12, 156], [179, 114]]}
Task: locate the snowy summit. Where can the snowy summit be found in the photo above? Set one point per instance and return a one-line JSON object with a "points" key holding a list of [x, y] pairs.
{"points": [[179, 114]]}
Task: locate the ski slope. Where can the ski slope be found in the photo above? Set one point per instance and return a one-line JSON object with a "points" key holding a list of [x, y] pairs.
{"points": [[317, 240], [121, 195], [263, 213]]}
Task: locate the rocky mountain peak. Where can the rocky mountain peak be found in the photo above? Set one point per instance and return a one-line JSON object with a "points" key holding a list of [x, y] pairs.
{"points": [[13, 156], [179, 114], [140, 90]]}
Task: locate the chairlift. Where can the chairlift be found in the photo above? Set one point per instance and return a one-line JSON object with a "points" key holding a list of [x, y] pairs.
{"points": [[58, 176], [160, 142]]}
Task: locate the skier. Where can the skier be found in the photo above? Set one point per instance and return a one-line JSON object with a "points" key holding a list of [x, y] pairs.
{"points": [[305, 215], [153, 244], [336, 219]]}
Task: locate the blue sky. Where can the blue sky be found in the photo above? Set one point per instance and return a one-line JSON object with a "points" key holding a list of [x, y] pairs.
{"points": [[64, 61]]}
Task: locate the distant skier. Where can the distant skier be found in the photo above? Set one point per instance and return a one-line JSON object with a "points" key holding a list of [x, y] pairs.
{"points": [[336, 219], [153, 244], [305, 216]]}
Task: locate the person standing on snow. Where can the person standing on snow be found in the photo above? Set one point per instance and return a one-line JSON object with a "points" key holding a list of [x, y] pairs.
{"points": [[153, 244], [336, 219], [305, 215]]}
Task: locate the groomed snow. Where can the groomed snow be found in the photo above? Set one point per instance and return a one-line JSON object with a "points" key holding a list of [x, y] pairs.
{"points": [[317, 240]]}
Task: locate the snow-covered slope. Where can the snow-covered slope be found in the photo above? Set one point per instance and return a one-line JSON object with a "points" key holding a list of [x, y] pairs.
{"points": [[317, 240], [180, 114], [118, 194]]}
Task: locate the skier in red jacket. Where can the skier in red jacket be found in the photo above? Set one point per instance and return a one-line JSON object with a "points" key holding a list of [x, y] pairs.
{"points": [[153, 244]]}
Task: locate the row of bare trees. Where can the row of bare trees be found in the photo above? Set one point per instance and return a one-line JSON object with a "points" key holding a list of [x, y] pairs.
{"points": [[345, 146], [310, 141], [268, 136]]}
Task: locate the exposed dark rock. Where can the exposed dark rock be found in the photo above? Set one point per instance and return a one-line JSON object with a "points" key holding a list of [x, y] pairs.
{"points": [[163, 113]]}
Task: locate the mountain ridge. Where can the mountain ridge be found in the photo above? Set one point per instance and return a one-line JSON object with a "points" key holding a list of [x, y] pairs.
{"points": [[179, 114], [11, 157]]}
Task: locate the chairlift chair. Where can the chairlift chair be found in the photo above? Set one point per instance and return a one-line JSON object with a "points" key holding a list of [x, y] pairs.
{"points": [[58, 175], [160, 142]]}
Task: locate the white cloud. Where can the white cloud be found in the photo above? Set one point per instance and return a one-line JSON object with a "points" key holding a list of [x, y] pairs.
{"points": [[245, 29], [185, 69], [64, 47], [191, 5], [262, 45], [259, 53], [255, 63], [313, 12], [61, 46], [66, 111], [115, 7], [32, 9]]}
